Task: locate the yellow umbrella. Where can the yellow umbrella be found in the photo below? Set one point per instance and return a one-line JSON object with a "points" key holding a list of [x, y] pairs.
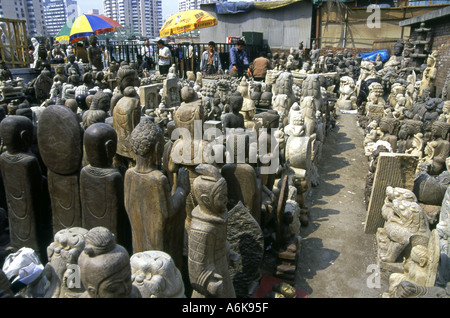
{"points": [[186, 21]]}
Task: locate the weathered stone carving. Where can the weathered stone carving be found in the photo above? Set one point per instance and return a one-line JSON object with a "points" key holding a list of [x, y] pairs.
{"points": [[421, 267], [60, 143], [157, 216], [105, 267], [155, 275], [207, 257], [26, 194], [406, 224], [60, 270], [101, 185]]}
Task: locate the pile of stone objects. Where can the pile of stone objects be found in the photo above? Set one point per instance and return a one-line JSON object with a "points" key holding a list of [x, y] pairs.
{"points": [[118, 183], [406, 141]]}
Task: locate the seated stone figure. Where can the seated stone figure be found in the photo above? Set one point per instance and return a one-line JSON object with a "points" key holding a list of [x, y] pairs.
{"points": [[156, 215], [421, 267], [105, 267], [97, 111], [234, 119], [155, 275], [207, 256], [441, 146]]}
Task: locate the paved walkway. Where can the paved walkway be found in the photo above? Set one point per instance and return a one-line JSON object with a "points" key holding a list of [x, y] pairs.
{"points": [[336, 255]]}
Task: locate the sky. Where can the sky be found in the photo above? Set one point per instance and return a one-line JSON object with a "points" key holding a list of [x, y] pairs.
{"points": [[169, 7]]}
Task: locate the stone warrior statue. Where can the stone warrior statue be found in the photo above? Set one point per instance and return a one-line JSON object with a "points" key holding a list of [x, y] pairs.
{"points": [[208, 259]]}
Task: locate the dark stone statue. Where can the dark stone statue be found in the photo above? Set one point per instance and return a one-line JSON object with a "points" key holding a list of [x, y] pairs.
{"points": [[28, 210], [60, 140], [101, 185]]}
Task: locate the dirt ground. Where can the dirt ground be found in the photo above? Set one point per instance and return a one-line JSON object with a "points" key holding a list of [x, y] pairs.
{"points": [[337, 259]]}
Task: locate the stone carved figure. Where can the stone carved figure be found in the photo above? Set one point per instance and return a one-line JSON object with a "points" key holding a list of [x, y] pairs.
{"points": [[429, 74], [347, 93], [28, 211], [155, 275], [440, 145], [207, 257], [126, 116], [421, 267], [157, 216], [243, 182], [105, 267], [60, 140], [101, 185], [388, 126], [234, 119], [97, 111], [407, 289], [63, 253], [187, 150], [405, 219], [95, 53]]}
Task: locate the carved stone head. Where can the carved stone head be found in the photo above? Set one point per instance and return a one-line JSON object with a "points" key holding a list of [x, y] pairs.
{"points": [[105, 266], [147, 140], [16, 133], [210, 190], [100, 142], [101, 100], [155, 275]]}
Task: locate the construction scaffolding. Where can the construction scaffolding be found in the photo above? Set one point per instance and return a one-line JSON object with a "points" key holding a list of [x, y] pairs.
{"points": [[13, 43]]}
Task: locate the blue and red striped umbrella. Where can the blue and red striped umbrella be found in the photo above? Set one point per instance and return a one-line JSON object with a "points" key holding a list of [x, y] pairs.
{"points": [[87, 24]]}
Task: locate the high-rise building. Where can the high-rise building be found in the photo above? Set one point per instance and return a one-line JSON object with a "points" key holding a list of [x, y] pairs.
{"points": [[57, 13], [32, 11], [140, 16]]}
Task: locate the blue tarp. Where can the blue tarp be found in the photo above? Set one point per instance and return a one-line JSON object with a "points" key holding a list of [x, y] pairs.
{"points": [[373, 55], [234, 7]]}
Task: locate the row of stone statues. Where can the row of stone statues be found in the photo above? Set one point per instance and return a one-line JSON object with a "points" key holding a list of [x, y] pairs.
{"points": [[108, 160], [401, 115]]}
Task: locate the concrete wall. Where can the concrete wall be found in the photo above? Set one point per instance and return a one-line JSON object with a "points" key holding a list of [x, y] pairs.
{"points": [[284, 27]]}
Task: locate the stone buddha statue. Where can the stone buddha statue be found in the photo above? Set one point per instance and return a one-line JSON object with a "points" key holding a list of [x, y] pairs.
{"points": [[105, 267], [234, 119], [156, 214], [421, 267], [388, 126], [207, 257], [97, 111], [441, 146]]}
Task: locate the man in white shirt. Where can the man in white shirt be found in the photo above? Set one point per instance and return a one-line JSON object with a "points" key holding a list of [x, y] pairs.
{"points": [[147, 53], [163, 58]]}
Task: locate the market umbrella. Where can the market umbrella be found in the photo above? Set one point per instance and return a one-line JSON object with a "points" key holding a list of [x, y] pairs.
{"points": [[63, 35], [186, 21], [88, 24]]}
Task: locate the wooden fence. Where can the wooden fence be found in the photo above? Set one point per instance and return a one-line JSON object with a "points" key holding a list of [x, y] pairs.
{"points": [[13, 43]]}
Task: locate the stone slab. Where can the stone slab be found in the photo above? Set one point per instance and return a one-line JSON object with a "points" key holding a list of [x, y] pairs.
{"points": [[395, 170]]}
